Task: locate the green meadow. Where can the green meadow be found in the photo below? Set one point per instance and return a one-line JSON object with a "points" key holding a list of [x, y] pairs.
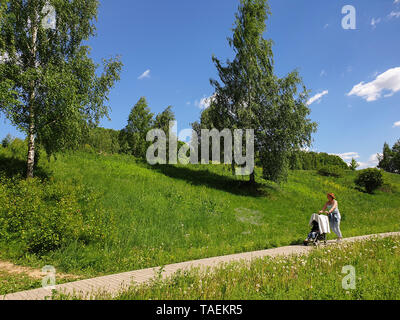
{"points": [[165, 214]]}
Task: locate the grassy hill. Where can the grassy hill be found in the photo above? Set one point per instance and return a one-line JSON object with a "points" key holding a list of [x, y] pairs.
{"points": [[166, 214]]}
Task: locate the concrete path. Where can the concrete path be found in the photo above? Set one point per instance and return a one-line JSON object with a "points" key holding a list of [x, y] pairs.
{"points": [[113, 284]]}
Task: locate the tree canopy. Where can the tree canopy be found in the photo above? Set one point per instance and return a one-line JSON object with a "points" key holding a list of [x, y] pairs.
{"points": [[140, 121], [56, 92], [250, 96], [390, 158]]}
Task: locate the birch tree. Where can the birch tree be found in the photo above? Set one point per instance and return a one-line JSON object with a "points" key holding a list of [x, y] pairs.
{"points": [[250, 96], [54, 85]]}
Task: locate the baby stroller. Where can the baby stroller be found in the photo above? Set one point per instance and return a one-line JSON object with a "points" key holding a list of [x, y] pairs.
{"points": [[319, 231]]}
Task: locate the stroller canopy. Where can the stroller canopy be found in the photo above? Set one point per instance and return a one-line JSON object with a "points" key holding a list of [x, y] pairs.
{"points": [[323, 223]]}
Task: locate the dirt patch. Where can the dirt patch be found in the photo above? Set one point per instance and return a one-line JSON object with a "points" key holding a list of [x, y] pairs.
{"points": [[31, 272]]}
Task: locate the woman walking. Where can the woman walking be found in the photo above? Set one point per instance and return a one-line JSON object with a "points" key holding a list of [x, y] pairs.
{"points": [[331, 208]]}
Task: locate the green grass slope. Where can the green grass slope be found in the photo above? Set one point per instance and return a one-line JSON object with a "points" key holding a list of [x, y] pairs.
{"points": [[170, 214]]}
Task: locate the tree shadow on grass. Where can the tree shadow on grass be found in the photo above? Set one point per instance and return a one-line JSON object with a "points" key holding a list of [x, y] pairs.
{"points": [[11, 168], [359, 189], [213, 180]]}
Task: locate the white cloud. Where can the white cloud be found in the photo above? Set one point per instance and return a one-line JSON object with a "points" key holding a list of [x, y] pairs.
{"points": [[204, 103], [396, 124], [317, 97], [348, 156], [145, 74], [372, 91], [394, 14], [323, 73], [373, 162], [396, 1], [326, 26], [374, 22]]}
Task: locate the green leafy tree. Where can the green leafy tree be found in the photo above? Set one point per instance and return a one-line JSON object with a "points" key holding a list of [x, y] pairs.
{"points": [[283, 126], [103, 140], [139, 123], [59, 92], [123, 142], [354, 165], [209, 120], [163, 120], [370, 179], [396, 157], [250, 96], [7, 95], [389, 160], [331, 171], [6, 141], [305, 160]]}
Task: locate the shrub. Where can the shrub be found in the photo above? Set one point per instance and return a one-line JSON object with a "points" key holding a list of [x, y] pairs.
{"points": [[331, 171], [44, 216], [370, 179]]}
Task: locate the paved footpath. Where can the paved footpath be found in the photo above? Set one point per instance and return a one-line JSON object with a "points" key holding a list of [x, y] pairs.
{"points": [[113, 284]]}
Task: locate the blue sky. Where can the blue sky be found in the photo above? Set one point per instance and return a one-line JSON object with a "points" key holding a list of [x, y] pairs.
{"points": [[170, 44]]}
